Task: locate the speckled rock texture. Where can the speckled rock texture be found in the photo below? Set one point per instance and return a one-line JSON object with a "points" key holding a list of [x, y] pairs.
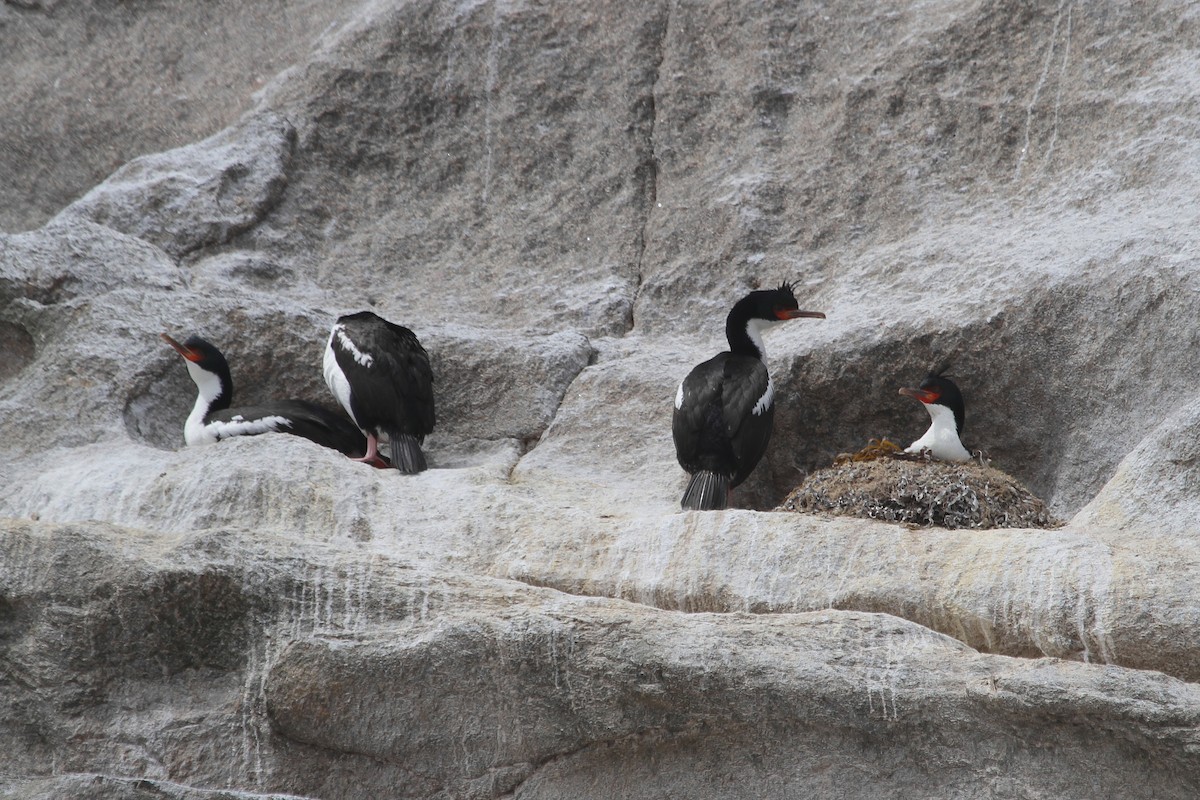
{"points": [[562, 199]]}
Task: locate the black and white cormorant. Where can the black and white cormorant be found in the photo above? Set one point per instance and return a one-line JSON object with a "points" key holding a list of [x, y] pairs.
{"points": [[212, 419], [725, 407], [944, 402], [380, 374]]}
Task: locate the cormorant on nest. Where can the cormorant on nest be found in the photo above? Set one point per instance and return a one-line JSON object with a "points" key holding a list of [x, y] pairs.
{"points": [[883, 482]]}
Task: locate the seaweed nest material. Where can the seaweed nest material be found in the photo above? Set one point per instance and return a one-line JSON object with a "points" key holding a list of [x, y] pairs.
{"points": [[881, 482]]}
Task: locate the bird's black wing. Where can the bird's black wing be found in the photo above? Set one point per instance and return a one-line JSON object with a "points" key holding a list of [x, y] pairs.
{"points": [[698, 423], [327, 428], [411, 374], [749, 412], [372, 395], [299, 417], [394, 391]]}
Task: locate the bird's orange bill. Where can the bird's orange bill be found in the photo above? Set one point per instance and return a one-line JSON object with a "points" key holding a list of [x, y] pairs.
{"points": [[794, 313], [183, 350]]}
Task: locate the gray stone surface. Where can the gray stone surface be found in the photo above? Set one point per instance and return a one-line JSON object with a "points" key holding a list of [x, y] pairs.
{"points": [[241, 657], [563, 199], [83, 786], [199, 196], [92, 85]]}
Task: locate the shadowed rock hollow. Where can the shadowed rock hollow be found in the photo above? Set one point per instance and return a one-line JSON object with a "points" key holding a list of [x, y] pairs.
{"points": [[563, 200]]}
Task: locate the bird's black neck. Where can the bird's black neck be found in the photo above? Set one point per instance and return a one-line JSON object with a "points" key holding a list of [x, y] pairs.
{"points": [[744, 341]]}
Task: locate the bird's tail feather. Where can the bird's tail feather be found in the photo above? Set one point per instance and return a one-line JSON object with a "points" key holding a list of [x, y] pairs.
{"points": [[406, 454], [706, 491]]}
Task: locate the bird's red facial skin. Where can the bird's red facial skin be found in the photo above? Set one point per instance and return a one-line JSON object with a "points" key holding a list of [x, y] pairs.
{"points": [[924, 395], [186, 352]]}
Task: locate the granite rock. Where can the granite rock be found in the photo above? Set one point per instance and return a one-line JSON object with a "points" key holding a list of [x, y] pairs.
{"points": [[563, 200]]}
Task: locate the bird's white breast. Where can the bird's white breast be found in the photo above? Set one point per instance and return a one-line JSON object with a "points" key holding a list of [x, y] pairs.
{"points": [[941, 440], [754, 329], [335, 379], [208, 387], [195, 432]]}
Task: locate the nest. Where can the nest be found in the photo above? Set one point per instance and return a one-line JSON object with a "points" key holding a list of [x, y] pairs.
{"points": [[882, 482]]}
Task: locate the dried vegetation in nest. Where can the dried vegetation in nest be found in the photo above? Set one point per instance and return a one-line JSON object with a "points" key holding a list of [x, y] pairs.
{"points": [[881, 482]]}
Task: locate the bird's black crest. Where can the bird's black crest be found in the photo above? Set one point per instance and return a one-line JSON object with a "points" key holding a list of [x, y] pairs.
{"points": [[941, 369], [789, 287]]}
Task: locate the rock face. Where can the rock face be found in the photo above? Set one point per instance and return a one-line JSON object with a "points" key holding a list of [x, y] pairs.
{"points": [[563, 199]]}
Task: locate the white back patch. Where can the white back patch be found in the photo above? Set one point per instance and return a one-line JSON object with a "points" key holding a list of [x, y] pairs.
{"points": [[767, 398], [364, 359], [679, 397], [242, 427]]}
